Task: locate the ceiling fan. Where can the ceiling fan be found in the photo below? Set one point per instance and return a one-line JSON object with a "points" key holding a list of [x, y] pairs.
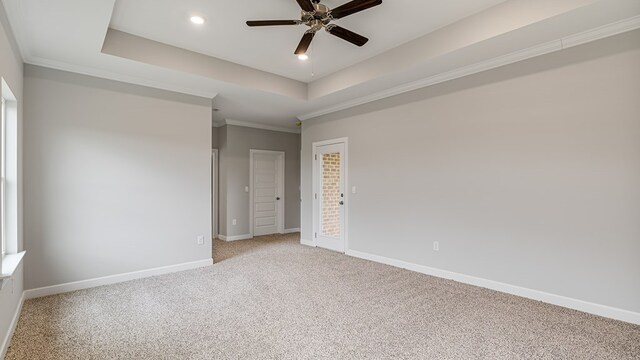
{"points": [[318, 16]]}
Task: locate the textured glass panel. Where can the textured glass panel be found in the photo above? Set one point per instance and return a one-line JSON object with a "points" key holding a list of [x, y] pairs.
{"points": [[331, 195]]}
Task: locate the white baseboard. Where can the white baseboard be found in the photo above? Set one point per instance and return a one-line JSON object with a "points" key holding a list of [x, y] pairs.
{"points": [[248, 236], [308, 242], [234, 237], [113, 279], [580, 305], [12, 328]]}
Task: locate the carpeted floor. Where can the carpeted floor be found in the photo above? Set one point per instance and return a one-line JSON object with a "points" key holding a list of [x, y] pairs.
{"points": [[272, 298]]}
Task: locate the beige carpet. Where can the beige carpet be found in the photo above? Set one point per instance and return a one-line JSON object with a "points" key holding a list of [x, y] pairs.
{"points": [[275, 299]]}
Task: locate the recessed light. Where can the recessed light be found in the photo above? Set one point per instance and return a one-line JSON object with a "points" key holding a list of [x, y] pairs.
{"points": [[303, 57], [198, 20]]}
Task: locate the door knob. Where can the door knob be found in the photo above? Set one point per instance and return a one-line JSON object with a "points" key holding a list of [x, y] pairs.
{"points": [[277, 198]]}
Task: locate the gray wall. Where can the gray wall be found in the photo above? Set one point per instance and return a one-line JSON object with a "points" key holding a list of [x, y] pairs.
{"points": [[11, 71], [527, 175], [214, 137], [235, 143], [117, 177]]}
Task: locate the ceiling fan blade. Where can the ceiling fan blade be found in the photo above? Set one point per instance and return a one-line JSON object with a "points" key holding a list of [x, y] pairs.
{"points": [[306, 5], [304, 43], [353, 7], [272, 22], [347, 35]]}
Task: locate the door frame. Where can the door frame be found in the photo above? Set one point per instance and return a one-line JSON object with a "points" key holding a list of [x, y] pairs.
{"points": [[281, 174], [316, 188], [214, 193]]}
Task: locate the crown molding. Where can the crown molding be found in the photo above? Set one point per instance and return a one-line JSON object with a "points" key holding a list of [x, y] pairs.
{"points": [[598, 33], [256, 126], [104, 74], [602, 32], [440, 78]]}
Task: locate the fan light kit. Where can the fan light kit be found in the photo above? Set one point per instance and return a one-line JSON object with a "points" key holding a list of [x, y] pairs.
{"points": [[198, 20], [317, 17]]}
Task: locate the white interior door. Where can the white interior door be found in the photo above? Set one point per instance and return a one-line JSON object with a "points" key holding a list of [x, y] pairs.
{"points": [[330, 196], [265, 193]]}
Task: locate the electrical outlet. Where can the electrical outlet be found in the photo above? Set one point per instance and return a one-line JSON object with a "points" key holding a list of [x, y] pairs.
{"points": [[200, 239], [234, 222], [436, 246]]}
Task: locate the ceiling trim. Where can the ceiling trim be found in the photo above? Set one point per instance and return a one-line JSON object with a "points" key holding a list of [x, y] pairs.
{"points": [[85, 70], [512, 16], [598, 33], [602, 32], [257, 126]]}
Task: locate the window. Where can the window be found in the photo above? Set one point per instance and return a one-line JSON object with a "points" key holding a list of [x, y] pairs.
{"points": [[10, 257], [3, 172]]}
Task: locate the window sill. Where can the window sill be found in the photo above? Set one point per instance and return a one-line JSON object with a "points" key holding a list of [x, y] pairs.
{"points": [[10, 263]]}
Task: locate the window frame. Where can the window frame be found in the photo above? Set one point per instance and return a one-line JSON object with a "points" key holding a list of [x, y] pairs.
{"points": [[3, 172], [11, 256]]}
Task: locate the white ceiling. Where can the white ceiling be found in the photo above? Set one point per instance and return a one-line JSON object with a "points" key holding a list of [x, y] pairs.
{"points": [[413, 43], [225, 34]]}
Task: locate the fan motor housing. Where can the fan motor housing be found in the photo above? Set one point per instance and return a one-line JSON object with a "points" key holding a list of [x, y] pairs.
{"points": [[321, 13]]}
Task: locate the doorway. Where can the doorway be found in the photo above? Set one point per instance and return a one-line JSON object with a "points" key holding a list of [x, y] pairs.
{"points": [[330, 196], [214, 193], [266, 192]]}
